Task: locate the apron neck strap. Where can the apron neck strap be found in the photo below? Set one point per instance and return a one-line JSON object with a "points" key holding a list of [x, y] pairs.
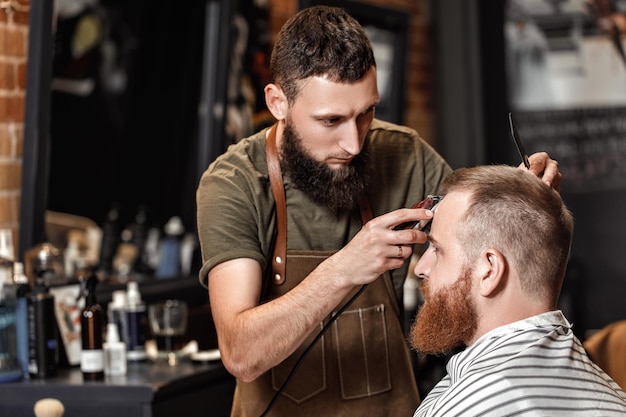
{"points": [[279, 258]]}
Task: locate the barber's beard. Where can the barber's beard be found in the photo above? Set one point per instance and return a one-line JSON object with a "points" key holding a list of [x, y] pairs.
{"points": [[446, 319], [337, 189]]}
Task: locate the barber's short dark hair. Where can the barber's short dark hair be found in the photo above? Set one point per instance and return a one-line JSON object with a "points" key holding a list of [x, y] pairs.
{"points": [[320, 41]]}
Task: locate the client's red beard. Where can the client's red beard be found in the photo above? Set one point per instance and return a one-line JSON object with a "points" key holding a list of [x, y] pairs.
{"points": [[446, 319]]}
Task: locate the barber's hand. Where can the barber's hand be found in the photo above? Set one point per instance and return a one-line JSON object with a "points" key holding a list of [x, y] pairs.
{"points": [[378, 248], [545, 168]]}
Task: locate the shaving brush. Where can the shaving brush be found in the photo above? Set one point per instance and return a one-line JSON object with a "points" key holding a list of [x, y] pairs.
{"points": [[49, 407]]}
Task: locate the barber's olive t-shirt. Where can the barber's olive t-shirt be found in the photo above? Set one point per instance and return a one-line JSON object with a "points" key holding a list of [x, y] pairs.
{"points": [[236, 210]]}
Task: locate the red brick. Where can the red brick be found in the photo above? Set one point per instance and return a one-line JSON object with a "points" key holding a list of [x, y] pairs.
{"points": [[14, 42], [7, 76], [9, 212], [10, 175], [6, 210], [20, 17], [12, 108]]}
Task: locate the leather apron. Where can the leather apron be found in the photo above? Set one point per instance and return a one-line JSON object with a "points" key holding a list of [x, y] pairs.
{"points": [[361, 366]]}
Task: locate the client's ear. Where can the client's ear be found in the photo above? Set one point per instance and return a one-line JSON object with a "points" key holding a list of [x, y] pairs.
{"points": [[491, 268]]}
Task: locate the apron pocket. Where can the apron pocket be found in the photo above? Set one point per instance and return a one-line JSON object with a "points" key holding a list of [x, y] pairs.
{"points": [[310, 377], [363, 353]]}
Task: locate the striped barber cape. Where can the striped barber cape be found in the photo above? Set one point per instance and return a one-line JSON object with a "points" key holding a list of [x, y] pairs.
{"points": [[533, 367]]}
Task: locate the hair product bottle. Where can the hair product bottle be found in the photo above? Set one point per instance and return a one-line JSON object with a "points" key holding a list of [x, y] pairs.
{"points": [[91, 328], [44, 262], [7, 256], [115, 311], [22, 292], [43, 351], [10, 369], [136, 323], [114, 352], [169, 249]]}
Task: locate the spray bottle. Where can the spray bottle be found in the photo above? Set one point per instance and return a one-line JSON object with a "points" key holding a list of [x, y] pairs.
{"points": [[136, 322], [115, 312], [114, 352]]}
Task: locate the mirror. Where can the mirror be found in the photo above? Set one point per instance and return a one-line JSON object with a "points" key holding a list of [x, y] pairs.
{"points": [[122, 107]]}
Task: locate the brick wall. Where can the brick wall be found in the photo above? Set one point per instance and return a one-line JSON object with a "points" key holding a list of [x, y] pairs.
{"points": [[13, 49]]}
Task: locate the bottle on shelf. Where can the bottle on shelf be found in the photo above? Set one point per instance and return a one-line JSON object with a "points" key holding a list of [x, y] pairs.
{"points": [[136, 323], [125, 257], [7, 256], [43, 350], [187, 253], [151, 249], [10, 369], [72, 259], [170, 249], [44, 263], [91, 329], [114, 352], [22, 292], [115, 311]]}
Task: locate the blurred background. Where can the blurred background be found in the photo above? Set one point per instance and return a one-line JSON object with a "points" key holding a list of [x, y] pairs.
{"points": [[110, 110]]}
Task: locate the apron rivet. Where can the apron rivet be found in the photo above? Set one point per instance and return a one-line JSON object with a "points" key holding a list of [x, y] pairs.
{"points": [[277, 277], [279, 260]]}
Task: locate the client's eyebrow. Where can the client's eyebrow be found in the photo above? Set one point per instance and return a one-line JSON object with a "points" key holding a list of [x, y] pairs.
{"points": [[432, 240]]}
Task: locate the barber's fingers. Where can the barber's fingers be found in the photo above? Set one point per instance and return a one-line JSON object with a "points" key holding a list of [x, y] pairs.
{"points": [[545, 168]]}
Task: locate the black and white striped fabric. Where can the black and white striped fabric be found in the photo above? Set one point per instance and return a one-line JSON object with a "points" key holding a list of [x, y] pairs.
{"points": [[533, 367]]}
